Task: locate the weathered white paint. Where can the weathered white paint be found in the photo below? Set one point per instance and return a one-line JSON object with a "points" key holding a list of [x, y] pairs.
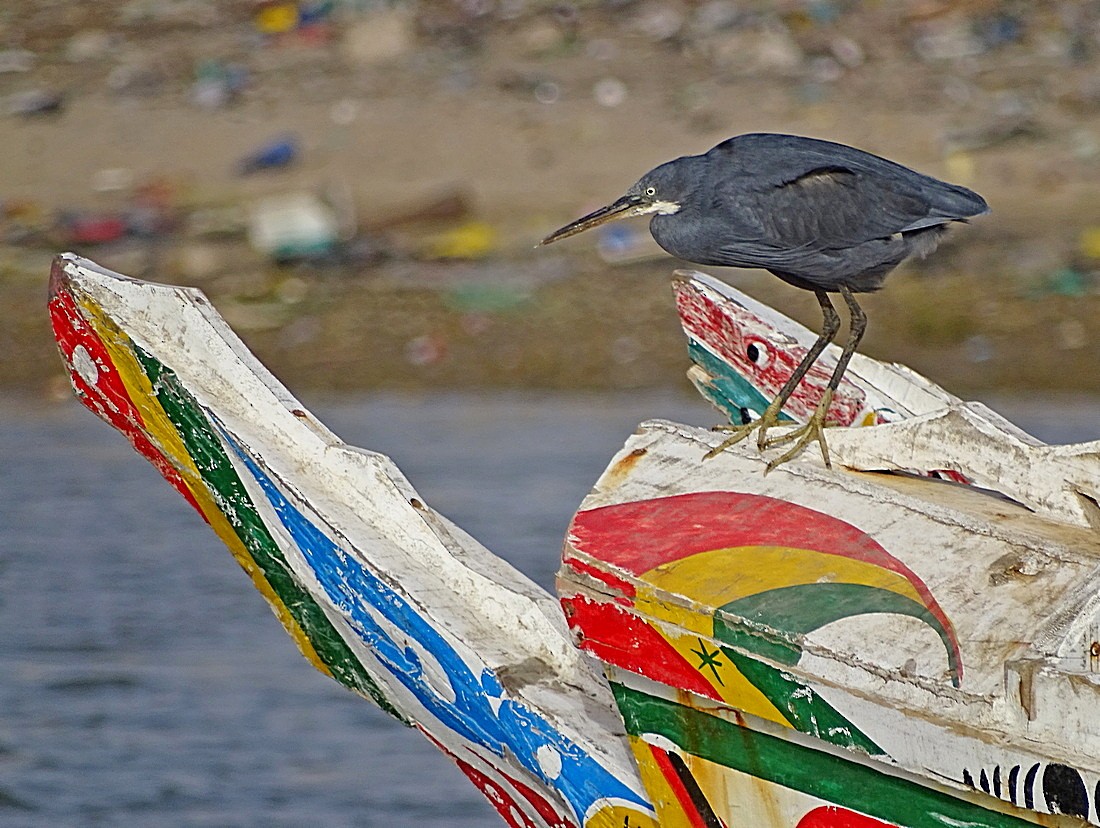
{"points": [[1061, 482], [498, 623], [933, 430], [888, 386], [1021, 586]]}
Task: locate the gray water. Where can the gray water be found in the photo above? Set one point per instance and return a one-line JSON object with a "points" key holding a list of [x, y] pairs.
{"points": [[143, 681]]}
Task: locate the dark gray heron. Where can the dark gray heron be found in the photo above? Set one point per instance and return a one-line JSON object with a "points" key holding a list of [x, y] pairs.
{"points": [[821, 216]]}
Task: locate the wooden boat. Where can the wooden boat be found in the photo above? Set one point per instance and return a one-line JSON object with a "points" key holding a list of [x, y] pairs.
{"points": [[810, 647]]}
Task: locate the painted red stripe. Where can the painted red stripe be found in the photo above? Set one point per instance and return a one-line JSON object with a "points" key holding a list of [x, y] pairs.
{"points": [[642, 534], [108, 398], [497, 795], [72, 331], [545, 810], [500, 798], [619, 637], [610, 579], [723, 331], [831, 816], [660, 757]]}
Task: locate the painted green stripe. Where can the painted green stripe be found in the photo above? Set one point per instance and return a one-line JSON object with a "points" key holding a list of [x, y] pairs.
{"points": [[825, 776], [768, 644], [219, 475], [727, 389], [802, 608], [801, 705]]}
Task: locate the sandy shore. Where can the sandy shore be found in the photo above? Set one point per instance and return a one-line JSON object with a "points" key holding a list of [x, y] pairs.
{"points": [[994, 308]]}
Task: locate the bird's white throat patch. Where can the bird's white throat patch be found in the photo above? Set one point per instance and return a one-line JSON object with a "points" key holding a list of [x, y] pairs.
{"points": [[665, 208]]}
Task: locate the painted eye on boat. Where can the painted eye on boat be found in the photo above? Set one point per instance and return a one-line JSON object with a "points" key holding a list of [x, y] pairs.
{"points": [[758, 354]]}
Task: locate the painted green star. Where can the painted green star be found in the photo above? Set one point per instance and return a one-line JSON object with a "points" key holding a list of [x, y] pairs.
{"points": [[709, 659]]}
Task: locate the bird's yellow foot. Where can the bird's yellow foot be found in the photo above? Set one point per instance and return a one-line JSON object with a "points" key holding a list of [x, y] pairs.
{"points": [[813, 429], [738, 433]]}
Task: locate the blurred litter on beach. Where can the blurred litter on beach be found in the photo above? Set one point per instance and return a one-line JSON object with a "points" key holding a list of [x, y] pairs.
{"points": [[332, 145]]}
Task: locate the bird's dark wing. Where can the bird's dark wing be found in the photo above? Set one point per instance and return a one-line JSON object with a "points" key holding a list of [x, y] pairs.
{"points": [[823, 228], [830, 207], [789, 192]]}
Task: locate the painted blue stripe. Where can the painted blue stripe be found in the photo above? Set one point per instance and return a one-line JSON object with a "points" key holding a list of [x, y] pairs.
{"points": [[507, 725]]}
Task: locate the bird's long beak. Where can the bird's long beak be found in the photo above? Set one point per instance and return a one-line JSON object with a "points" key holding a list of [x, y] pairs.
{"points": [[622, 208]]}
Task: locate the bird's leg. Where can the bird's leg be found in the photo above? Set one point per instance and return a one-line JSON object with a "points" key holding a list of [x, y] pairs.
{"points": [[770, 417], [814, 429]]}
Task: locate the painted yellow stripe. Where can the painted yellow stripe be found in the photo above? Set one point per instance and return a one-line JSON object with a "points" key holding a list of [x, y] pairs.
{"points": [[683, 629], [716, 577], [163, 434], [725, 678], [665, 802], [608, 814], [697, 619]]}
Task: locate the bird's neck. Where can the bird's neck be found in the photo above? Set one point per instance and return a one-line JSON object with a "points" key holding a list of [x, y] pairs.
{"points": [[668, 231]]}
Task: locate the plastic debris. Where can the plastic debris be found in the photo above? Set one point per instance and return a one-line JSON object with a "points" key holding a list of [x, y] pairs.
{"points": [[609, 92], [449, 206], [23, 221], [90, 45], [292, 226], [217, 85], [276, 18], [658, 21], [620, 244], [960, 166], [135, 81], [542, 37], [35, 102], [316, 12], [216, 221], [979, 348], [153, 211], [999, 74], [998, 29], [1071, 335], [715, 15], [472, 240], [82, 229], [486, 298], [1084, 144], [344, 112], [847, 51], [112, 179], [1067, 281], [547, 92], [1089, 243], [278, 153], [997, 131], [946, 39], [602, 49], [764, 50], [198, 261]]}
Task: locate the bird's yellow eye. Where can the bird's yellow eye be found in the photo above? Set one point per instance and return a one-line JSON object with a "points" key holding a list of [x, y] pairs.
{"points": [[651, 191]]}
